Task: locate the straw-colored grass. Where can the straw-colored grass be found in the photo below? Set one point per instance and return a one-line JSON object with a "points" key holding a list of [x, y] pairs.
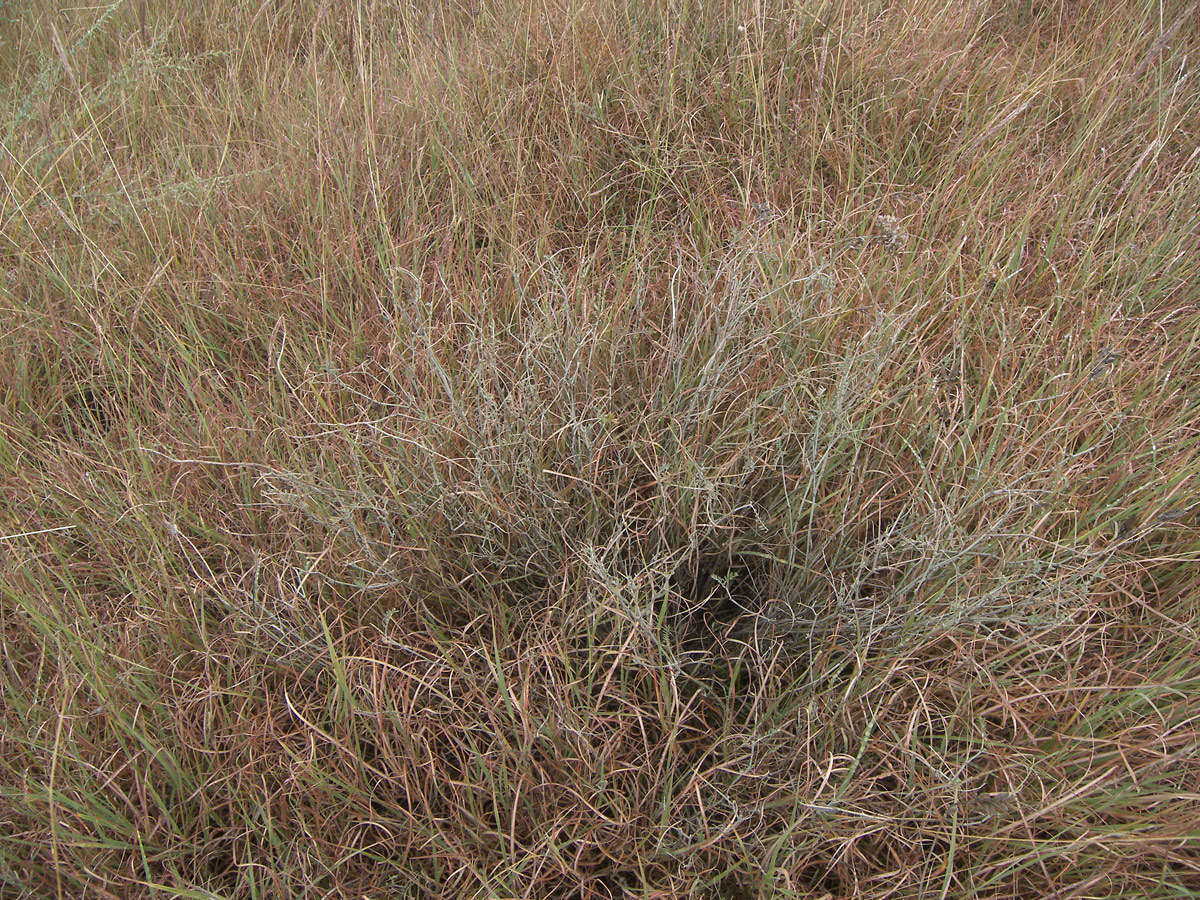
{"points": [[600, 449]]}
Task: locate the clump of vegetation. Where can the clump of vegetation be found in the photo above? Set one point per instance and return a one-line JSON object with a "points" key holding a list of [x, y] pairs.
{"points": [[600, 449]]}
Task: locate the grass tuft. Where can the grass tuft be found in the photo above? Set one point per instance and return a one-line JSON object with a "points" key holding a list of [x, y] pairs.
{"points": [[599, 450]]}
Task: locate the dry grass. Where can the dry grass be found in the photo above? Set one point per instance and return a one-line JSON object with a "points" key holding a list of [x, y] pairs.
{"points": [[600, 449]]}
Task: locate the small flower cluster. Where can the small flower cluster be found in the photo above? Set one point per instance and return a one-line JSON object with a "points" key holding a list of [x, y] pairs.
{"points": [[892, 233]]}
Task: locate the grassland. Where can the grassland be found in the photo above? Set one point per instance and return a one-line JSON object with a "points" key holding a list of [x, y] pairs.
{"points": [[600, 449]]}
